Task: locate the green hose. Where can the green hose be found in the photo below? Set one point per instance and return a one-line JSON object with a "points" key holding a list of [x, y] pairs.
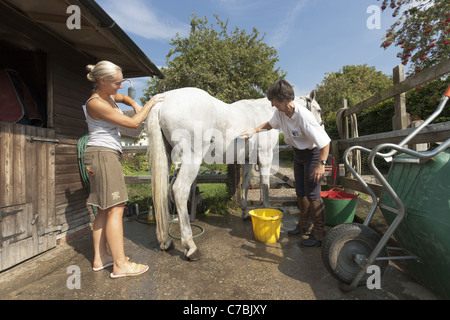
{"points": [[81, 147], [144, 221], [202, 231]]}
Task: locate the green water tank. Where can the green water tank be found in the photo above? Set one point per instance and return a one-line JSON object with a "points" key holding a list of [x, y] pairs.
{"points": [[425, 231]]}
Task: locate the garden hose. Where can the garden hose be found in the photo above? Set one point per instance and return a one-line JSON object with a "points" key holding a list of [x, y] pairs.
{"points": [[81, 147], [172, 222], [144, 221]]}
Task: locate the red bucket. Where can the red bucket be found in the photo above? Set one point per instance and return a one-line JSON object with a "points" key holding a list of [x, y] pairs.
{"points": [[340, 206], [340, 194]]}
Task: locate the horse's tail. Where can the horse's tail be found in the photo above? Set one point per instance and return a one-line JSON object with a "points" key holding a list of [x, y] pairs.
{"points": [[160, 177]]}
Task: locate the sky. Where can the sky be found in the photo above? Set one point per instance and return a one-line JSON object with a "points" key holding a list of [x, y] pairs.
{"points": [[312, 37]]}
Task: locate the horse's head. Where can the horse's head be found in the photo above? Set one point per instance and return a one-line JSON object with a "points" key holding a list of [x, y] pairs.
{"points": [[312, 105]]}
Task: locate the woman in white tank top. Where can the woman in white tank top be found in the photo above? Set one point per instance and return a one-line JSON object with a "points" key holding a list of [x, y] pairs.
{"points": [[108, 191]]}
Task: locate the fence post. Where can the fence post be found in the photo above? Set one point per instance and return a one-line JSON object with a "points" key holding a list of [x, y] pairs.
{"points": [[345, 121], [234, 182], [401, 118], [345, 131]]}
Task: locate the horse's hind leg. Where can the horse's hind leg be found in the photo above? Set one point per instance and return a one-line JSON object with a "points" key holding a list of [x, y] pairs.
{"points": [[181, 191]]}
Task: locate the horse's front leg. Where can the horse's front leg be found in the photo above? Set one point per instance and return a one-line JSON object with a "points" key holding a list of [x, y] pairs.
{"points": [[181, 191], [265, 186], [246, 179], [265, 162]]}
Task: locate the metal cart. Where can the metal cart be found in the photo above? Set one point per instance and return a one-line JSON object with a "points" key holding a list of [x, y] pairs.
{"points": [[349, 249]]}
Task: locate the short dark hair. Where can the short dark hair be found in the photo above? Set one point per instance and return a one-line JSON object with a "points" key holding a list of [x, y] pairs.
{"points": [[281, 90]]}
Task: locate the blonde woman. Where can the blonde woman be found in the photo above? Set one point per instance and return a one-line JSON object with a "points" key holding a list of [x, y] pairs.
{"points": [[101, 157]]}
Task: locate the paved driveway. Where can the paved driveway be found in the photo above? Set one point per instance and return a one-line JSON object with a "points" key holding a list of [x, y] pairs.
{"points": [[233, 266]]}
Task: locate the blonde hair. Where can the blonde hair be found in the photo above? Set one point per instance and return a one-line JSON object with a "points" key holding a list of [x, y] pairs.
{"points": [[103, 69]]}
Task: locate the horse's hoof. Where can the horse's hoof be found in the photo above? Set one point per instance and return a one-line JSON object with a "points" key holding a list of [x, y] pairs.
{"points": [[166, 246], [193, 256]]}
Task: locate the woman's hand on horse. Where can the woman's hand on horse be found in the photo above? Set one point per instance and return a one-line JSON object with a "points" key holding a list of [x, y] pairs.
{"points": [[247, 134], [155, 99]]}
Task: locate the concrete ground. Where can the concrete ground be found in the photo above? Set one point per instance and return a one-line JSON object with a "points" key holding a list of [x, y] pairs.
{"points": [[233, 266]]}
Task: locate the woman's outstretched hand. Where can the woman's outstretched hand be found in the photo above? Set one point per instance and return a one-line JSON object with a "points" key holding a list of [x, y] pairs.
{"points": [[155, 99], [247, 134]]}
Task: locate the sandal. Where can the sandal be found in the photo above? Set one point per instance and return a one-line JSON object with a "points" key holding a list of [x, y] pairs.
{"points": [[109, 264], [134, 270]]}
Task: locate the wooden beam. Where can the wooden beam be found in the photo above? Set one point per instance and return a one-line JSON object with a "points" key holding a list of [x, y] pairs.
{"points": [[45, 18], [431, 133], [202, 178], [424, 76], [94, 48], [355, 185]]}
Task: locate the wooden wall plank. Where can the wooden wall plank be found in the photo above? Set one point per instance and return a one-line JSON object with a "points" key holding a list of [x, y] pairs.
{"points": [[31, 165], [6, 154], [19, 171]]}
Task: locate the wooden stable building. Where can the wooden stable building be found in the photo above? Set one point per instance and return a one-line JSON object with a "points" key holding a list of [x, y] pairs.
{"points": [[42, 199]]}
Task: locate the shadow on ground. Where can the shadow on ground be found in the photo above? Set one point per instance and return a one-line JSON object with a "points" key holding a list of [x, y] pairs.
{"points": [[233, 266]]}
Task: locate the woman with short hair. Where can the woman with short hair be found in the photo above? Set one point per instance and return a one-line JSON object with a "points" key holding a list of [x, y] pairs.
{"points": [[311, 146]]}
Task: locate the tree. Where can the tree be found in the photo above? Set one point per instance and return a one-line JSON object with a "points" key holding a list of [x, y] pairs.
{"points": [[354, 83], [229, 65], [423, 34], [422, 31]]}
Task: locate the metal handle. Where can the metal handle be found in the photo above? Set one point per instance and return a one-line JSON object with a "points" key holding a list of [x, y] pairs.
{"points": [[447, 93], [45, 140]]}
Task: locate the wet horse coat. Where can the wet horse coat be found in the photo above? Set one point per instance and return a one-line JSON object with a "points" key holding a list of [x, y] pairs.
{"points": [[194, 126]]}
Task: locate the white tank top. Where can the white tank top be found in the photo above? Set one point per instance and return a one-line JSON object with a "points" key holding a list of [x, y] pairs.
{"points": [[103, 133]]}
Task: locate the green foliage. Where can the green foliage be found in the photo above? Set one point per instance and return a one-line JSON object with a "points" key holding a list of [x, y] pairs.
{"points": [[229, 65], [376, 119], [354, 83], [134, 163], [215, 197], [420, 102], [423, 101], [422, 32], [139, 194]]}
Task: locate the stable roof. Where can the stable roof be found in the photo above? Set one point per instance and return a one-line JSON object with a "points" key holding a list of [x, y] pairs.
{"points": [[99, 37]]}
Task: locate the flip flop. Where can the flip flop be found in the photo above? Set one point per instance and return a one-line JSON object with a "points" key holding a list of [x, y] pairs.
{"points": [[109, 264], [134, 270]]}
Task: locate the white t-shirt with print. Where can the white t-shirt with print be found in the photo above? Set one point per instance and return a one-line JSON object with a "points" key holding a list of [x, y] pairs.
{"points": [[301, 131]]}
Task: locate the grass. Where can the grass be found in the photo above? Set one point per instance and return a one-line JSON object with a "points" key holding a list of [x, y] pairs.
{"points": [[214, 195]]}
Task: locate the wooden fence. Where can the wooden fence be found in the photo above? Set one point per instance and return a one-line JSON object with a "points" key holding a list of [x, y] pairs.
{"points": [[432, 133], [233, 178]]}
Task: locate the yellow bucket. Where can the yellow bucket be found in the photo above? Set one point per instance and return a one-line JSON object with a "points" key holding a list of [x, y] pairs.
{"points": [[266, 224]]}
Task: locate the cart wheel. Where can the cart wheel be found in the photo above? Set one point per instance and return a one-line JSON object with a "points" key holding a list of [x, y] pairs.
{"points": [[340, 246]]}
